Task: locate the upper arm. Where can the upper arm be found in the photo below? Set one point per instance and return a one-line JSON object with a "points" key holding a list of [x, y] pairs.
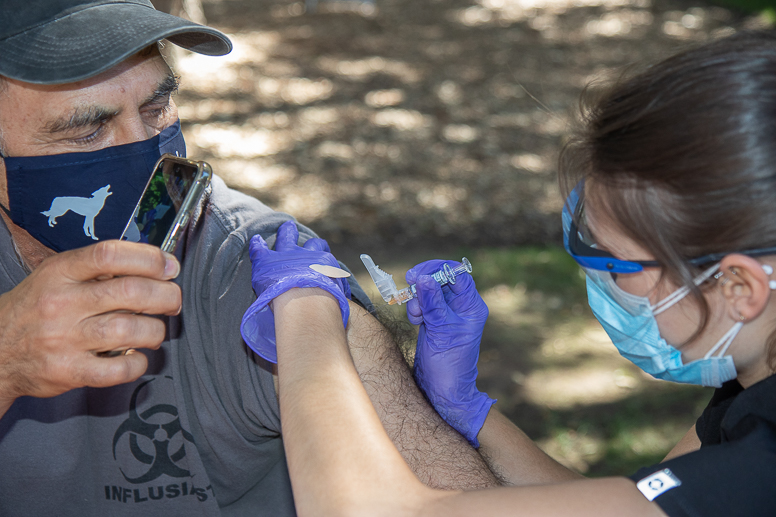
{"points": [[436, 453], [689, 443]]}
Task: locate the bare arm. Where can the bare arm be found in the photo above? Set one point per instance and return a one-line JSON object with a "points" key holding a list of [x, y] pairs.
{"points": [[518, 461], [308, 400], [435, 452], [689, 443], [514, 457], [604, 497], [342, 462]]}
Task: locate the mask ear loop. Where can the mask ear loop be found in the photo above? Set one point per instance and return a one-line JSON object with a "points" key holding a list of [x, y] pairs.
{"points": [[725, 341], [683, 291]]}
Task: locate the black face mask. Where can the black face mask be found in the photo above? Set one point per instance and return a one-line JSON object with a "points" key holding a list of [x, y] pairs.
{"points": [[67, 201]]}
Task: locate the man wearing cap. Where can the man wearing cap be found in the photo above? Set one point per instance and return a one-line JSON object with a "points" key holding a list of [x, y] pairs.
{"points": [[186, 422]]}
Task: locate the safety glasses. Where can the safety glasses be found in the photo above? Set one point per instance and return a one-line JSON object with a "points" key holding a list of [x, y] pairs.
{"points": [[580, 244]]}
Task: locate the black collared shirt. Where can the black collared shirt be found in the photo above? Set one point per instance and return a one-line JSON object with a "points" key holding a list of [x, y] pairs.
{"points": [[734, 471]]}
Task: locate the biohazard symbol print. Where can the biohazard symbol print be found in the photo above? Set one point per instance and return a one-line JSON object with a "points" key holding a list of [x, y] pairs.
{"points": [[155, 440]]}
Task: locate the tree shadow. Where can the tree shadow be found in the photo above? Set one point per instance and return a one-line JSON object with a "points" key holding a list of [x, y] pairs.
{"points": [[429, 121]]}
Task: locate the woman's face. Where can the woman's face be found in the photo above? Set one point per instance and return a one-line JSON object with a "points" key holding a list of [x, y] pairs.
{"points": [[678, 323]]}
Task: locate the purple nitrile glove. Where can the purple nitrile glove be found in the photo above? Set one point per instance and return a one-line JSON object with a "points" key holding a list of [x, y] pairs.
{"points": [[275, 272], [451, 319]]}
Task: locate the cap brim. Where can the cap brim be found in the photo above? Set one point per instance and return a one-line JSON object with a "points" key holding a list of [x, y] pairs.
{"points": [[90, 41]]}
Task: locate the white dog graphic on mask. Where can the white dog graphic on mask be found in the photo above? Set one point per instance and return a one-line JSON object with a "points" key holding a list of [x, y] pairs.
{"points": [[88, 207]]}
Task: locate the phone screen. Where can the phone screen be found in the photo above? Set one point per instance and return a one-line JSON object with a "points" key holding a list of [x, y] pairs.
{"points": [[160, 203]]}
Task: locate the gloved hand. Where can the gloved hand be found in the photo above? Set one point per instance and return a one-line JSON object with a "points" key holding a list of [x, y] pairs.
{"points": [[451, 319], [275, 272]]}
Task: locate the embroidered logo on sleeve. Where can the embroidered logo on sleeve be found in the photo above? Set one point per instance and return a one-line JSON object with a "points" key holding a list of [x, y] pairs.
{"points": [[658, 483]]}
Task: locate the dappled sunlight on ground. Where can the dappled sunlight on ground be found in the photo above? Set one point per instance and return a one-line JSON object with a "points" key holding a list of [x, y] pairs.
{"points": [[584, 384], [577, 364], [438, 120]]}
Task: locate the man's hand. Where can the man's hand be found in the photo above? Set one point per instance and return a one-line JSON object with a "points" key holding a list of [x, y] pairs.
{"points": [[451, 320], [77, 304]]}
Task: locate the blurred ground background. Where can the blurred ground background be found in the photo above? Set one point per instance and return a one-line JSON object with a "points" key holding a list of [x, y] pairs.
{"points": [[417, 129]]}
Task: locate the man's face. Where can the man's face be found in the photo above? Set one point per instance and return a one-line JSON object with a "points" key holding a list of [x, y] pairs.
{"points": [[128, 103]]}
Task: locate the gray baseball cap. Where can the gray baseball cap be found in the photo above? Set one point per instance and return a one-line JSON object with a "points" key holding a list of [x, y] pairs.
{"points": [[61, 41]]}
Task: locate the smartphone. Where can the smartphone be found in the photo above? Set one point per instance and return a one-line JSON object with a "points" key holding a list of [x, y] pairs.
{"points": [[169, 198]]}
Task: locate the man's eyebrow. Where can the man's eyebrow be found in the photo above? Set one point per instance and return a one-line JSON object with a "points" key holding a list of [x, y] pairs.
{"points": [[167, 87], [81, 118], [94, 115]]}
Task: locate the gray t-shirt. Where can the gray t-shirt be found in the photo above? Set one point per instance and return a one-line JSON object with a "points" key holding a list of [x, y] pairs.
{"points": [[198, 434]]}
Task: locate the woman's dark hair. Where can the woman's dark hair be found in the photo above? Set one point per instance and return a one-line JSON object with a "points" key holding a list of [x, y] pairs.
{"points": [[683, 155]]}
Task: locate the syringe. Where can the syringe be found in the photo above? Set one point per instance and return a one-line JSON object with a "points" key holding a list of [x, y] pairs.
{"points": [[392, 295]]}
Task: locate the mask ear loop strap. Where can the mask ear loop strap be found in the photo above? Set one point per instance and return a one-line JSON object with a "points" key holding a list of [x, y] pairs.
{"points": [[725, 341], [680, 293], [670, 300]]}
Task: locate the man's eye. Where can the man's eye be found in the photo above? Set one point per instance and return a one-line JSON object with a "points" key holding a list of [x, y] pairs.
{"points": [[159, 111], [90, 137]]}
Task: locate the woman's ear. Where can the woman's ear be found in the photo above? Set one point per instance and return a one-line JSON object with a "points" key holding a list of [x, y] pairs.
{"points": [[745, 285]]}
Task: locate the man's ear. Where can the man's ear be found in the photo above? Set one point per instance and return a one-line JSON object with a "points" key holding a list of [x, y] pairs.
{"points": [[745, 286]]}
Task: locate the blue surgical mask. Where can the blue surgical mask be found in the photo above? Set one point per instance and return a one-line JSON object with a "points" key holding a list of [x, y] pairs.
{"points": [[68, 201], [629, 320]]}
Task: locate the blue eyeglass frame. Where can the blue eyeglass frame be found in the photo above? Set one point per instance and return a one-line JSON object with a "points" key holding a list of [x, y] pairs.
{"points": [[593, 258]]}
